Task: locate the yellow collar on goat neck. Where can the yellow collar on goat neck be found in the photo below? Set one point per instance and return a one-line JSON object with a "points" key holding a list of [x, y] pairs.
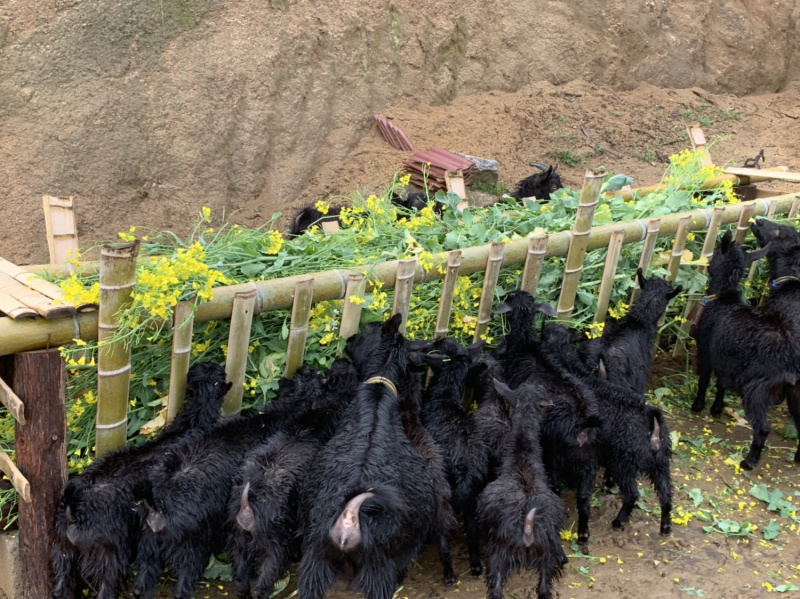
{"points": [[382, 380]]}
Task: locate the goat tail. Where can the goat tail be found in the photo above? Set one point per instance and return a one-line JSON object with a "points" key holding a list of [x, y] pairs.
{"points": [[527, 528], [656, 427], [367, 517], [246, 518]]}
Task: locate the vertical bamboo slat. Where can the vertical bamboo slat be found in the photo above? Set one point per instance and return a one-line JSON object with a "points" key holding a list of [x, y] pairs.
{"points": [[298, 330], [579, 239], [773, 204], [795, 207], [487, 293], [117, 279], [534, 261], [707, 251], [648, 247], [403, 285], [609, 271], [675, 259], [448, 289], [351, 313], [238, 343], [62, 237], [182, 325], [743, 226]]}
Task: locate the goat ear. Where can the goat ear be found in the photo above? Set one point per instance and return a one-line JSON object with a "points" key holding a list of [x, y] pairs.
{"points": [[674, 292], [751, 257], [546, 309], [503, 308], [725, 244], [421, 359], [421, 344], [505, 392], [640, 277], [392, 326], [476, 348]]}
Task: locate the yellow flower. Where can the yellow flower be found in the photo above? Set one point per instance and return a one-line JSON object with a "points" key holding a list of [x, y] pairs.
{"points": [[405, 180], [206, 214], [354, 299], [275, 240], [322, 206]]}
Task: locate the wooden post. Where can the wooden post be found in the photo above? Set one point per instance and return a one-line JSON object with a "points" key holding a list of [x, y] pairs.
{"points": [[117, 279], [743, 226], [493, 265], [298, 329], [534, 261], [404, 283], [238, 349], [707, 251], [41, 448], [609, 271], [649, 246], [448, 288], [182, 325], [351, 313], [578, 242]]}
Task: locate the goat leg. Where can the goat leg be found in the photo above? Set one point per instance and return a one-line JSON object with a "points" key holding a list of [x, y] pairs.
{"points": [[190, 562], [315, 575], [148, 564], [629, 492], [719, 401], [497, 571], [63, 563], [473, 531], [793, 401], [275, 564], [547, 570], [703, 378], [583, 496]]}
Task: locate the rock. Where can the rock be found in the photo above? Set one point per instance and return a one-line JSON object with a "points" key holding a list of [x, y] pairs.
{"points": [[485, 171]]}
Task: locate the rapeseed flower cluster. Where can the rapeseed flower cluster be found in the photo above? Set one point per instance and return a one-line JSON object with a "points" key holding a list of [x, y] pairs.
{"points": [[75, 292], [273, 243]]}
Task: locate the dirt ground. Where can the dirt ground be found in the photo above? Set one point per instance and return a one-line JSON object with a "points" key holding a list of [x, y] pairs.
{"points": [[637, 562]]}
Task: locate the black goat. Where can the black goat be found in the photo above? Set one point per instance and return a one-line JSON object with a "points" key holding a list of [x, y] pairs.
{"points": [[625, 345], [185, 496], [309, 216], [493, 415], [521, 515], [633, 438], [784, 263], [755, 352], [539, 185], [466, 456], [361, 349], [97, 527], [369, 500]]}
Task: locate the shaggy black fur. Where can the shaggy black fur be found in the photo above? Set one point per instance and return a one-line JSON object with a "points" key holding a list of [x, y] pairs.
{"points": [[185, 497], [520, 514], [361, 349], [625, 345], [755, 352], [455, 430], [96, 524], [539, 185], [309, 216], [633, 438], [375, 541], [784, 263]]}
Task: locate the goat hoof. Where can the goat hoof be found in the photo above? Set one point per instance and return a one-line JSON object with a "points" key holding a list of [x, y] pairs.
{"points": [[716, 413], [477, 571], [617, 523], [584, 547], [745, 465], [666, 530]]}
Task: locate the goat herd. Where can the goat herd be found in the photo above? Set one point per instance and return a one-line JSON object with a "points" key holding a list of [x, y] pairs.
{"points": [[355, 470]]}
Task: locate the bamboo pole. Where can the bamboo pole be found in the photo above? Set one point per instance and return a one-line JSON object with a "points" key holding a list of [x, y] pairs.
{"points": [[351, 313], [706, 252], [537, 247], [493, 265], [579, 242], [795, 207], [675, 260], [182, 328], [117, 279], [404, 283], [62, 236], [771, 206], [238, 347], [12, 403], [609, 272], [448, 290], [743, 226], [298, 330], [649, 246], [16, 336]]}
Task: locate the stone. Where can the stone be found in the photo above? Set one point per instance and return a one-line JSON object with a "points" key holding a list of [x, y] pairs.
{"points": [[485, 171]]}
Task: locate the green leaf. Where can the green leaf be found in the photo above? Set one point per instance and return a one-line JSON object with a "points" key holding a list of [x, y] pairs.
{"points": [[786, 587], [696, 496], [217, 569], [674, 437], [617, 182], [771, 530], [760, 492], [253, 270]]}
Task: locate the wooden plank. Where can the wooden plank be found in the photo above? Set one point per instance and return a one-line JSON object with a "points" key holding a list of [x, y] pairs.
{"points": [[33, 280], [761, 174], [62, 236], [454, 181], [43, 305], [12, 403], [41, 455], [298, 329], [19, 482], [493, 265], [698, 141], [238, 344]]}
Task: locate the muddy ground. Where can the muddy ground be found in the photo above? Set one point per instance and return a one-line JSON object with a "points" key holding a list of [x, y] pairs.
{"points": [[637, 562]]}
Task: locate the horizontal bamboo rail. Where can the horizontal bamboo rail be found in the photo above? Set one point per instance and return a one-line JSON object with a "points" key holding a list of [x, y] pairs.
{"points": [[12, 403], [276, 294], [18, 481]]}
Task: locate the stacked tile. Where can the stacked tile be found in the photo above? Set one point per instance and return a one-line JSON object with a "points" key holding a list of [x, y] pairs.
{"points": [[429, 167]]}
